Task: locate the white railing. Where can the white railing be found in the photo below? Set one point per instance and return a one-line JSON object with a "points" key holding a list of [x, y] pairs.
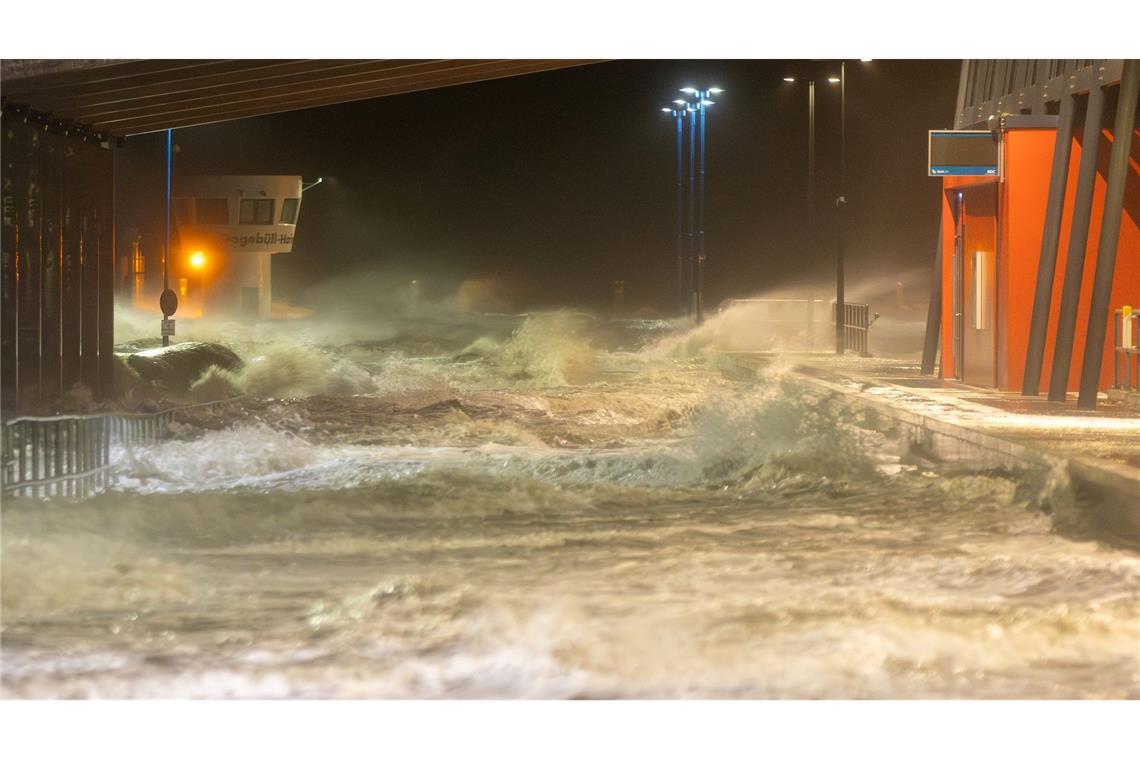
{"points": [[72, 454]]}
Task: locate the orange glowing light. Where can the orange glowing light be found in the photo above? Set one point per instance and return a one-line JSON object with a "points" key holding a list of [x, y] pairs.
{"points": [[197, 260]]}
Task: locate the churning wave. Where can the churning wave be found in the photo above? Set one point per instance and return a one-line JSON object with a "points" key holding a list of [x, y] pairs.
{"points": [[550, 511]]}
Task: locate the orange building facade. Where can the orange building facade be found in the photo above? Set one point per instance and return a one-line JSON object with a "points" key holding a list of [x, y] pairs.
{"points": [[992, 231]]}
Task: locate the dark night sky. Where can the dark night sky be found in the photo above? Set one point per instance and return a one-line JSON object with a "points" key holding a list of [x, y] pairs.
{"points": [[559, 182]]}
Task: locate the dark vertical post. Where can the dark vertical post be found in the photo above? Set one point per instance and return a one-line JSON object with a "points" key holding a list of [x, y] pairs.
{"points": [[700, 288], [840, 202], [1078, 242], [48, 237], [88, 180], [933, 310], [107, 260], [1109, 233], [57, 455], [681, 299], [811, 167], [28, 272], [71, 242], [15, 152], [1047, 263], [692, 202]]}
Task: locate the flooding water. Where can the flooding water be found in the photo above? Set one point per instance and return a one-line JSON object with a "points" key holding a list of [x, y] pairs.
{"points": [[551, 507]]}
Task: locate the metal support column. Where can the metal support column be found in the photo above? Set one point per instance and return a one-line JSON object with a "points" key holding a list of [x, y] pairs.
{"points": [[933, 311], [108, 261], [840, 202], [1047, 265], [71, 256], [700, 284], [48, 234], [1099, 308], [1078, 242], [89, 275], [682, 300], [692, 207], [811, 231]]}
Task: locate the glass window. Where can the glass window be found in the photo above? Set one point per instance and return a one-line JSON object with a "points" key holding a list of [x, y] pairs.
{"points": [[257, 211], [212, 211], [289, 208], [184, 210]]}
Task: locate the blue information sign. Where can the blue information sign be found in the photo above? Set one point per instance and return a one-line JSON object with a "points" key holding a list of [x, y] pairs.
{"points": [[962, 153]]}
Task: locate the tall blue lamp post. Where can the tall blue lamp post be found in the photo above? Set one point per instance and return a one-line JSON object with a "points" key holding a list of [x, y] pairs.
{"points": [[699, 105], [678, 111]]}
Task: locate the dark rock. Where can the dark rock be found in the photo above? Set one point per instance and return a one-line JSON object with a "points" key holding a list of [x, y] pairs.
{"points": [[178, 366]]}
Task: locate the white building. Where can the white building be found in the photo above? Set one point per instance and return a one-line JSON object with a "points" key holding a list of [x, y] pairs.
{"points": [[229, 229]]}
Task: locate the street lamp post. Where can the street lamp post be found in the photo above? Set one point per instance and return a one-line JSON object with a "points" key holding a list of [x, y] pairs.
{"points": [[811, 162], [690, 286], [701, 101], [840, 309], [840, 202], [692, 206], [678, 112], [700, 289]]}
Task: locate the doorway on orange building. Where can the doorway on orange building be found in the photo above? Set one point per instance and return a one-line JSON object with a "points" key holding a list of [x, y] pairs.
{"points": [[975, 285]]}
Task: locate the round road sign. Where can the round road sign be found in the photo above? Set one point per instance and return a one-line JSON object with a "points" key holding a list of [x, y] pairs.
{"points": [[168, 302]]}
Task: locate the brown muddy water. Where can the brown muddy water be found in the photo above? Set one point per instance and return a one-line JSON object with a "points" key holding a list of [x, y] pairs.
{"points": [[552, 507]]}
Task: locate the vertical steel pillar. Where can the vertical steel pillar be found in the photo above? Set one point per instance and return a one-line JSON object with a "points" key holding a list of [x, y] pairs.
{"points": [[1109, 233], [679, 116], [88, 179], [700, 285], [1047, 264], [15, 152], [107, 259], [811, 168], [71, 256], [28, 193], [840, 203], [692, 201], [1078, 242], [48, 240], [933, 310]]}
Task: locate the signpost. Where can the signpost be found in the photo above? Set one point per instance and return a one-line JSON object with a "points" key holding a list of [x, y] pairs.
{"points": [[168, 302], [962, 153]]}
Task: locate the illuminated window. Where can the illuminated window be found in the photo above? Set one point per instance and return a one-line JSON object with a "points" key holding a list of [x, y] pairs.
{"points": [[213, 211], [257, 211], [289, 208]]}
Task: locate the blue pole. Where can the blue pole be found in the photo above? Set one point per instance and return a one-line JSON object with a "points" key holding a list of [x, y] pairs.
{"points": [[680, 115], [692, 203], [166, 248], [701, 229]]}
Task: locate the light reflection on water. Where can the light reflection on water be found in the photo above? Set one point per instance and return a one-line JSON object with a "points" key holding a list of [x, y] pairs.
{"points": [[542, 518]]}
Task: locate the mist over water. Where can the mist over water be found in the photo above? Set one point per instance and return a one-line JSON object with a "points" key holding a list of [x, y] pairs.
{"points": [[422, 499]]}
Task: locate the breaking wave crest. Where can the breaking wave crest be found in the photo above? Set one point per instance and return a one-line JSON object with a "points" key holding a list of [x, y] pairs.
{"points": [[535, 512]]}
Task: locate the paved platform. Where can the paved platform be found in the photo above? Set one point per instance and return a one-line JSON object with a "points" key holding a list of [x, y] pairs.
{"points": [[1100, 450], [1112, 432]]}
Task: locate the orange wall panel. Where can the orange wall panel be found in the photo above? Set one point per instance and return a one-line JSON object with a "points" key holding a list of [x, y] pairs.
{"points": [[1028, 155]]}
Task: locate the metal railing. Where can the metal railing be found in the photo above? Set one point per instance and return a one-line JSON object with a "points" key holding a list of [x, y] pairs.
{"points": [[1126, 351], [810, 323], [72, 455], [857, 321]]}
